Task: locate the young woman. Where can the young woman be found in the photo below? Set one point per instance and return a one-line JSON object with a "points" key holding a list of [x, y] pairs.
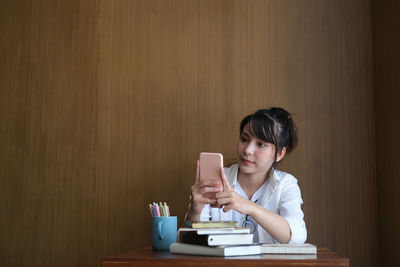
{"points": [[255, 193]]}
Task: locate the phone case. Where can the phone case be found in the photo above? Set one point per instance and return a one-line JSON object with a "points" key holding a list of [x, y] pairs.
{"points": [[210, 169]]}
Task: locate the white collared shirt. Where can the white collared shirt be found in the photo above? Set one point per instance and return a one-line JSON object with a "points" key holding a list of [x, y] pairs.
{"points": [[279, 194]]}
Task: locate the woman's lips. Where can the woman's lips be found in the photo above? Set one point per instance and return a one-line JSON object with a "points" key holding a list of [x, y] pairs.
{"points": [[246, 162]]}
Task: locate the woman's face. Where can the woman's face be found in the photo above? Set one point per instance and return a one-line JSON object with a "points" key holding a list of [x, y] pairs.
{"points": [[255, 156]]}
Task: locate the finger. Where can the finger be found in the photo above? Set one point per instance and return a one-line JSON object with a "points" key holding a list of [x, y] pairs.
{"points": [[211, 183], [197, 178], [223, 194], [227, 208], [208, 201], [200, 199], [204, 190], [225, 182], [223, 201]]}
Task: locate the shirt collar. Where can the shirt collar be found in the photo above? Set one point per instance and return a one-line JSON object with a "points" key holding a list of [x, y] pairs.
{"points": [[274, 179]]}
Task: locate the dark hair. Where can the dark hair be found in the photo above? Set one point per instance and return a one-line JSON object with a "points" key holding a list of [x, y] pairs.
{"points": [[275, 126]]}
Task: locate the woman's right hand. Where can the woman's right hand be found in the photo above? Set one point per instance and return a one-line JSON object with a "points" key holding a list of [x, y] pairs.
{"points": [[199, 188]]}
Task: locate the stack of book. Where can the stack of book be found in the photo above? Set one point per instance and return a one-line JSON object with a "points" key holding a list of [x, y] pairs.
{"points": [[215, 239], [226, 239]]}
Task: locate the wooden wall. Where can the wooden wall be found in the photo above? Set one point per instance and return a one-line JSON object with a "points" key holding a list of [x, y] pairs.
{"points": [[386, 43], [105, 105]]}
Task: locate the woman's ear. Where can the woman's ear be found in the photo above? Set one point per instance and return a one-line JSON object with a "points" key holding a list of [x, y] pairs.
{"points": [[281, 154]]}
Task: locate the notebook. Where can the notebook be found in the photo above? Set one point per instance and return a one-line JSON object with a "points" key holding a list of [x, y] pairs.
{"points": [[208, 231], [239, 250], [288, 248]]}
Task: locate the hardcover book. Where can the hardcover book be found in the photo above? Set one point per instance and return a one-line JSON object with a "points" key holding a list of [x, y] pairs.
{"points": [[218, 224], [193, 237], [240, 250]]}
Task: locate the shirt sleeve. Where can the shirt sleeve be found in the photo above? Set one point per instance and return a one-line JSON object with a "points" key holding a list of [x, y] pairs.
{"points": [[290, 209], [205, 213]]}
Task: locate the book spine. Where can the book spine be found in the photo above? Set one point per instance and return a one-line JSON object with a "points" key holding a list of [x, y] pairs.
{"points": [[194, 238]]}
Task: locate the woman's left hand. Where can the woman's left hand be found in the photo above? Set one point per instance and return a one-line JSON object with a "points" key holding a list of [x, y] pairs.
{"points": [[232, 200]]}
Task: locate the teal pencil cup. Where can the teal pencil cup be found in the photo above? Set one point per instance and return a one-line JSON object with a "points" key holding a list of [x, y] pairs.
{"points": [[164, 232]]}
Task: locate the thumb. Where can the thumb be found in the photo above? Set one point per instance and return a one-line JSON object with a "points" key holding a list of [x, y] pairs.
{"points": [[225, 182]]}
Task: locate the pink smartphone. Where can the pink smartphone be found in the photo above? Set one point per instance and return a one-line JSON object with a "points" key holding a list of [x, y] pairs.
{"points": [[210, 169]]}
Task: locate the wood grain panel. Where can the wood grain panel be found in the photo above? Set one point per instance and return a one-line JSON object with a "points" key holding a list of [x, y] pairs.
{"points": [[105, 106], [386, 40]]}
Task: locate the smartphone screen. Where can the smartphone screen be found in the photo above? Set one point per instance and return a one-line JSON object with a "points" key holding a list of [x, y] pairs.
{"points": [[210, 169]]}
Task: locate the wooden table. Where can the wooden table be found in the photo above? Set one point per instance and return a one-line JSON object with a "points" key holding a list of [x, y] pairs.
{"points": [[148, 257]]}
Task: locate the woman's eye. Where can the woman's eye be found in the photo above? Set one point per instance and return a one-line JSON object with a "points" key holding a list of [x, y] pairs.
{"points": [[262, 145], [242, 139]]}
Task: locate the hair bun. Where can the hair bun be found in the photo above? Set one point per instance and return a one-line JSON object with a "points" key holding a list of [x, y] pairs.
{"points": [[288, 128]]}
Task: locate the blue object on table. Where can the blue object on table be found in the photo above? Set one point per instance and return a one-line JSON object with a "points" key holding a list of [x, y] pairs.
{"points": [[164, 232]]}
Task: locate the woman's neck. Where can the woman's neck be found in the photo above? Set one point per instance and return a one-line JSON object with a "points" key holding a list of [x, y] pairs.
{"points": [[250, 183]]}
